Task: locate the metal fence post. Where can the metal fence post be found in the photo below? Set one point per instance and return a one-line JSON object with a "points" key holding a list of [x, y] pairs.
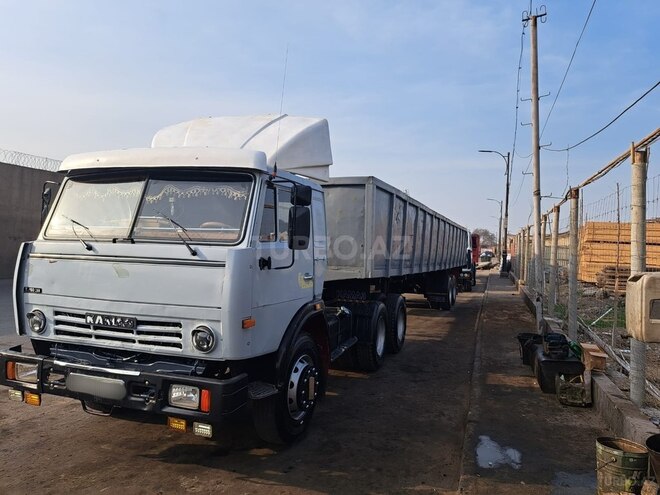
{"points": [[523, 255], [574, 195], [544, 228], [552, 295], [639, 160], [529, 258]]}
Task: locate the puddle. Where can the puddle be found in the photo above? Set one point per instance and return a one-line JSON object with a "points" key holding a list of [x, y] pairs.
{"points": [[491, 455], [573, 484]]}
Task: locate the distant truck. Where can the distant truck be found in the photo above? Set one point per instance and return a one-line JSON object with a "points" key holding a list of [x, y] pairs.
{"points": [[468, 278], [221, 272], [475, 243]]}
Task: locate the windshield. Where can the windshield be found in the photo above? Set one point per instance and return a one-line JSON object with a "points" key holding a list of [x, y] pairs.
{"points": [[95, 209], [209, 209]]}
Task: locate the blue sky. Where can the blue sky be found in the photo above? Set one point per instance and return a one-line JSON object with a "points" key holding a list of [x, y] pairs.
{"points": [[411, 89]]}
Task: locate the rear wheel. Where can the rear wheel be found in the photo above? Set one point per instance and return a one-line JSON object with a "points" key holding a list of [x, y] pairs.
{"points": [[450, 284], [396, 332], [283, 417], [370, 350]]}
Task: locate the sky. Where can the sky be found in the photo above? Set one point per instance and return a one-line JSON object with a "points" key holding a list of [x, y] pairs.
{"points": [[411, 89]]}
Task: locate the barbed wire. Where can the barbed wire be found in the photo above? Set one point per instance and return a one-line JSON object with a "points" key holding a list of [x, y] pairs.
{"points": [[29, 161]]}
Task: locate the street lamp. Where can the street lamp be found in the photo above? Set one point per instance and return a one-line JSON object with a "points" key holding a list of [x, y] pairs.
{"points": [[499, 228], [504, 266]]}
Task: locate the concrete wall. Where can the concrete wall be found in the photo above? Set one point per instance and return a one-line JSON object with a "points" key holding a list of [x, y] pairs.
{"points": [[20, 210]]}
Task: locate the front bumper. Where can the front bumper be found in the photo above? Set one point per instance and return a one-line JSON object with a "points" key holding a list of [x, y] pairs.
{"points": [[125, 387]]}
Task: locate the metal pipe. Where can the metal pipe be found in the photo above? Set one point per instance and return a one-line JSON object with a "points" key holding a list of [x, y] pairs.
{"points": [[552, 295], [573, 266]]}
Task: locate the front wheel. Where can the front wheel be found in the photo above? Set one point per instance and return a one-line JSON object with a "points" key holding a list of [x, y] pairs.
{"points": [[283, 417]]}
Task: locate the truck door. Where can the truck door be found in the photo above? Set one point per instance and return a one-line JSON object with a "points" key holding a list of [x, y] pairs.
{"points": [[320, 241], [276, 282]]}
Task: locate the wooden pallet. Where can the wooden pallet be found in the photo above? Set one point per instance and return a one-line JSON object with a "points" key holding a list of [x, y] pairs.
{"points": [[607, 278]]}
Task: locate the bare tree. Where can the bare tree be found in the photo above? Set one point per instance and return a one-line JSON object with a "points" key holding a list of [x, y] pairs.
{"points": [[488, 239]]}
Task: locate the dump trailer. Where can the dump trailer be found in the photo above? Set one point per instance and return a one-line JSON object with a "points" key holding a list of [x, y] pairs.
{"points": [[218, 273]]}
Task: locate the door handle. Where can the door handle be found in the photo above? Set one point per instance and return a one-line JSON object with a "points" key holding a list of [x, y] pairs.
{"points": [[308, 276]]}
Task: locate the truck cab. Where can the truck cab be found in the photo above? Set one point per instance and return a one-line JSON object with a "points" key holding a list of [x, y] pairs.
{"points": [[166, 279]]}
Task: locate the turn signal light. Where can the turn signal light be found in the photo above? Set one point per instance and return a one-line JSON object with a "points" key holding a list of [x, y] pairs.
{"points": [[177, 424], [32, 399], [248, 323], [10, 370], [205, 402]]}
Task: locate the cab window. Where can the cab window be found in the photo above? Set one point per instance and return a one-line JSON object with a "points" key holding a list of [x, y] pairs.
{"points": [[275, 216]]}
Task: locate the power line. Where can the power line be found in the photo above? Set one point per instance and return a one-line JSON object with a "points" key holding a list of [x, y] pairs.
{"points": [[515, 128], [611, 121], [570, 62]]}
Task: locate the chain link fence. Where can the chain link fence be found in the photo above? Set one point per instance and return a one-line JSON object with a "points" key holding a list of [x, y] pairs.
{"points": [[603, 237]]}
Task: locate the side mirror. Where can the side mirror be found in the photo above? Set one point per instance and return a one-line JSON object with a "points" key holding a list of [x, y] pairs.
{"points": [[299, 227], [46, 198], [302, 195]]}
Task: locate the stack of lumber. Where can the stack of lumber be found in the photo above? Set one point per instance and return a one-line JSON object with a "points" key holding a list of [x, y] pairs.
{"points": [[607, 278], [601, 242]]}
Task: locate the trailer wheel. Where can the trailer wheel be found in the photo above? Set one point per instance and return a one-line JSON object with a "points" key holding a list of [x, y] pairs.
{"points": [[283, 417], [453, 290], [396, 333], [370, 351], [448, 282]]}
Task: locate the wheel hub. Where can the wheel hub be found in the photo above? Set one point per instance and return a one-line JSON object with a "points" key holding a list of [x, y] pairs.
{"points": [[303, 387]]}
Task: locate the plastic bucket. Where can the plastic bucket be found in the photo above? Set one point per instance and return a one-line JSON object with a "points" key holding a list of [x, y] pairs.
{"points": [[621, 465], [653, 444]]}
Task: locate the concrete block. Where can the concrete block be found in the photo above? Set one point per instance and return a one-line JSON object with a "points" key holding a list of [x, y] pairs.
{"points": [[619, 413]]}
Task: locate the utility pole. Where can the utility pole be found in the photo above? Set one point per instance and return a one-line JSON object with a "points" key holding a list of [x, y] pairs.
{"points": [[504, 272], [504, 267], [499, 229], [536, 154]]}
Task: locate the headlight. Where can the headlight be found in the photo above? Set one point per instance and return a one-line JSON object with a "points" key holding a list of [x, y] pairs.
{"points": [[26, 372], [36, 320], [185, 396], [203, 339]]}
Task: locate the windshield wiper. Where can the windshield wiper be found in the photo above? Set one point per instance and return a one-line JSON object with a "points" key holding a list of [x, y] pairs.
{"points": [[87, 245], [193, 251]]}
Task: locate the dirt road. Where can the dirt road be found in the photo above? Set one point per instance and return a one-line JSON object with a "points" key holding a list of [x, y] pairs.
{"points": [[397, 430]]}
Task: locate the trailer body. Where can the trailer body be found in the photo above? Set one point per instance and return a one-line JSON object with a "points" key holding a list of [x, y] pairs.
{"points": [[377, 231]]}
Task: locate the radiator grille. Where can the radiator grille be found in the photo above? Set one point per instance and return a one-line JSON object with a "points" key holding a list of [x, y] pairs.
{"points": [[148, 333]]}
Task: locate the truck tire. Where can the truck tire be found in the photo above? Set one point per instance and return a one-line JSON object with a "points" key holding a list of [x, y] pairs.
{"points": [[396, 332], [453, 289], [284, 417], [448, 282], [370, 350]]}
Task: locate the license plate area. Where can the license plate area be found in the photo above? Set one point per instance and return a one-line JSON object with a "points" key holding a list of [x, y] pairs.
{"points": [[97, 386]]}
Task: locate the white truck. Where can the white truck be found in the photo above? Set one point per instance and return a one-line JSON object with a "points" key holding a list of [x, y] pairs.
{"points": [[220, 272]]}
